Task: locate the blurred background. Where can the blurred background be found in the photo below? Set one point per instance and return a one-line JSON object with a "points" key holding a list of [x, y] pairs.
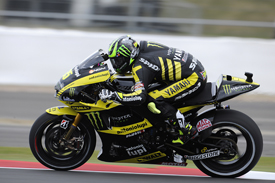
{"points": [[229, 37], [40, 40], [239, 18]]}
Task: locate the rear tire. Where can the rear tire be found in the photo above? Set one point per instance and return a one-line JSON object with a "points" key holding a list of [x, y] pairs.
{"points": [[44, 137], [245, 132]]}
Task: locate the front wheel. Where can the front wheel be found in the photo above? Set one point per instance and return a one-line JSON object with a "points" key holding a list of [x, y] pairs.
{"points": [[44, 140], [242, 142]]}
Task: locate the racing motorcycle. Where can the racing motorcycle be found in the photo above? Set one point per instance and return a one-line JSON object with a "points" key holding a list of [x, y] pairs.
{"points": [[229, 143]]}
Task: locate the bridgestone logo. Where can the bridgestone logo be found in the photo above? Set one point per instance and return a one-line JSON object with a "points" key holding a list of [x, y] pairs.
{"points": [[203, 156]]}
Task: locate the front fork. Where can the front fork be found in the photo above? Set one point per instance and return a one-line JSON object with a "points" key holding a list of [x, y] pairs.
{"points": [[73, 126], [65, 141]]}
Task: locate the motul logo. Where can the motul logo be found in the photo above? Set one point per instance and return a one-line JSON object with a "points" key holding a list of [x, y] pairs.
{"points": [[203, 124]]}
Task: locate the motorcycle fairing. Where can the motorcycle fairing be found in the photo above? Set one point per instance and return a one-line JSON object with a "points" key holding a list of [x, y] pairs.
{"points": [[125, 130], [126, 135], [71, 86], [127, 140], [100, 105], [145, 158], [129, 150], [225, 88], [209, 115], [91, 70], [230, 87], [205, 97], [83, 107], [61, 110]]}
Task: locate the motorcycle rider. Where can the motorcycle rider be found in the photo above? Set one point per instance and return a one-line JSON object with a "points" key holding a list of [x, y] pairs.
{"points": [[148, 61]]}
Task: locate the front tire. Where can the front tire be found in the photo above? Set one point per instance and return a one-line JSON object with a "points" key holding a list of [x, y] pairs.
{"points": [[242, 130], [44, 143]]}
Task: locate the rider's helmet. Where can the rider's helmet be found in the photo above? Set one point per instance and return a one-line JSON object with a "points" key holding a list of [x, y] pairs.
{"points": [[122, 53]]}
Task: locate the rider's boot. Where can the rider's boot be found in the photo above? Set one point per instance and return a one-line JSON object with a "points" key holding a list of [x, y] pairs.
{"points": [[182, 132]]}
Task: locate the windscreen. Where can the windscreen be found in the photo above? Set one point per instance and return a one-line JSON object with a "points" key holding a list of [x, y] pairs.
{"points": [[93, 60]]}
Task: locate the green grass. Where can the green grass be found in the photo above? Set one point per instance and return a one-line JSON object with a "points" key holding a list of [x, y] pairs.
{"points": [[266, 164]]}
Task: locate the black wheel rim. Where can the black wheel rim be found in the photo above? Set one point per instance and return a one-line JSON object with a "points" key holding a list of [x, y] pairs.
{"points": [[246, 152], [46, 146]]}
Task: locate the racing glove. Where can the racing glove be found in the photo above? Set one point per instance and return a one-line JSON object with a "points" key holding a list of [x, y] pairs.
{"points": [[106, 94]]}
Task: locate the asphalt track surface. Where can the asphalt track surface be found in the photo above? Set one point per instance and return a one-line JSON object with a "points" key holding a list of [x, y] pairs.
{"points": [[45, 176], [117, 173], [19, 109]]}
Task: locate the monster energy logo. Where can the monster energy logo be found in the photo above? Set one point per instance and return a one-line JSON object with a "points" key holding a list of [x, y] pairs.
{"points": [[71, 92], [123, 50], [227, 89], [95, 119]]}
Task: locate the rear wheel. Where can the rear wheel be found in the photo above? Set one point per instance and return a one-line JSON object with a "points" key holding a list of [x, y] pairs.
{"points": [[241, 142], [44, 140]]}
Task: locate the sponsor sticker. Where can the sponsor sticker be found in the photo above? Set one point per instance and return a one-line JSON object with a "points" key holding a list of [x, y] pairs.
{"points": [[80, 107], [229, 89], [178, 55], [178, 87], [129, 129], [173, 164], [203, 156], [133, 98], [149, 64], [135, 133], [139, 86], [193, 64], [94, 77], [121, 118], [137, 150], [132, 127], [96, 70], [188, 92], [76, 71], [203, 74], [68, 99], [150, 157], [170, 51], [203, 124], [64, 124], [185, 57]]}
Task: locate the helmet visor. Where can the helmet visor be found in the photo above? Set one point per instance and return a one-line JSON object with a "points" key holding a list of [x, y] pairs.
{"points": [[118, 63]]}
